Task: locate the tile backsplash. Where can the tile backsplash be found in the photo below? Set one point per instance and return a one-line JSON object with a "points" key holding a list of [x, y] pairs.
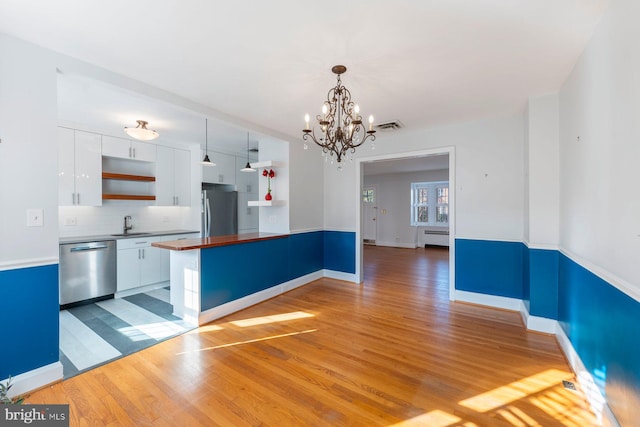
{"points": [[109, 219]]}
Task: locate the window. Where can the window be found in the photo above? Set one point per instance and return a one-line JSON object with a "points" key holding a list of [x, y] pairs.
{"points": [[368, 195], [430, 203]]}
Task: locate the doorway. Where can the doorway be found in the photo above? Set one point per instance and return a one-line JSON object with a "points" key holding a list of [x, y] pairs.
{"points": [[361, 221]]}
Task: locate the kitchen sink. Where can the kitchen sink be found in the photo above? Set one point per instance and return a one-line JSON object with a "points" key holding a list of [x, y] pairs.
{"points": [[129, 234]]}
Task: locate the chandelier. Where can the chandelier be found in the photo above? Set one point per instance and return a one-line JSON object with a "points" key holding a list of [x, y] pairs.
{"points": [[341, 129]]}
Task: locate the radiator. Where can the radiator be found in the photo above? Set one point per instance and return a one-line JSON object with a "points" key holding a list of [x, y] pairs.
{"points": [[435, 238]]}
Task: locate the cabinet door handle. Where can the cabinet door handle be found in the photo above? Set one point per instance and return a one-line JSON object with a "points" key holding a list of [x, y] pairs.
{"points": [[130, 152], [177, 200], [78, 198], [73, 198], [138, 253], [142, 253], [134, 153]]}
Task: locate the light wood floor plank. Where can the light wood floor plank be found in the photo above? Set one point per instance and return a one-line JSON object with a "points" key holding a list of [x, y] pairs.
{"points": [[393, 351]]}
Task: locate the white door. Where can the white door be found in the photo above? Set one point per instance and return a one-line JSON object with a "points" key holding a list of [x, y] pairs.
{"points": [[370, 212]]}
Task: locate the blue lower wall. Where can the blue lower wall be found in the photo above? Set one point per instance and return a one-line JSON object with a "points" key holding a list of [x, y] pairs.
{"points": [[543, 282], [602, 324], [490, 267], [340, 251], [235, 271], [29, 318]]}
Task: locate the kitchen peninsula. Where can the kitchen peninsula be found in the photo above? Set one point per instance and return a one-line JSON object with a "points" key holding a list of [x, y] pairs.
{"points": [[215, 276]]}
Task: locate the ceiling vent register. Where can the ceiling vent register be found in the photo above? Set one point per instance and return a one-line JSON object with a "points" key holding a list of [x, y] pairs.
{"points": [[389, 126]]}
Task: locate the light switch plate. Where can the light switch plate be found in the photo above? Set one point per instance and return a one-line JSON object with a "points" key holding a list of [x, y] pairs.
{"points": [[34, 218]]}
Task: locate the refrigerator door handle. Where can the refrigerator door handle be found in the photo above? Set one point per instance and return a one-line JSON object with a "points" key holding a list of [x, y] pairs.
{"points": [[207, 209]]}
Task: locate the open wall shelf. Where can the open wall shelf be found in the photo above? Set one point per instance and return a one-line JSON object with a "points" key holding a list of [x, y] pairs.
{"points": [[266, 202], [126, 197], [127, 177]]}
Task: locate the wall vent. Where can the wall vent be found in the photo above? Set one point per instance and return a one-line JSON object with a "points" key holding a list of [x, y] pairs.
{"points": [[389, 126]]}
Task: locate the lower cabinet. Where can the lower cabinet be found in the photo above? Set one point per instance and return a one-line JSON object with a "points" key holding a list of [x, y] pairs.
{"points": [[140, 264]]}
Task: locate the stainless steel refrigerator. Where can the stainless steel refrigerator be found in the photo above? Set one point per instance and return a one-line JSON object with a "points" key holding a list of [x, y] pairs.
{"points": [[219, 210]]}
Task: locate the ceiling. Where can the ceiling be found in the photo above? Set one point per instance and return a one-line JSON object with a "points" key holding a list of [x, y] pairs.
{"points": [[267, 63]]}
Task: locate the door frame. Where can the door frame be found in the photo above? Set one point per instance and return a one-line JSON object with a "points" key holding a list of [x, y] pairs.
{"points": [[452, 206]]}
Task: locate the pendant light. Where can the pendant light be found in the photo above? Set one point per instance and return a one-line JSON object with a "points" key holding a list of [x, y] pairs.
{"points": [[206, 161], [248, 167]]}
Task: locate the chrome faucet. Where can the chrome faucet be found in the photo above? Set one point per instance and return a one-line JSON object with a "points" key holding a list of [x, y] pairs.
{"points": [[127, 224]]}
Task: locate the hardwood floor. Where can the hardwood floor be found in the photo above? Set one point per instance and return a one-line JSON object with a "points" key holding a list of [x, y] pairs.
{"points": [[393, 351]]}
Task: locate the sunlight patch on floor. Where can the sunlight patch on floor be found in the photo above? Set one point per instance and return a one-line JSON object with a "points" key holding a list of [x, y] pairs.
{"points": [[435, 418], [516, 390], [206, 328], [154, 330], [248, 341], [271, 319]]}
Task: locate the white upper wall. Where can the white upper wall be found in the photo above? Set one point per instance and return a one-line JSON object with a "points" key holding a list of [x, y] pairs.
{"points": [[489, 176], [542, 172], [306, 188], [599, 173], [28, 153]]}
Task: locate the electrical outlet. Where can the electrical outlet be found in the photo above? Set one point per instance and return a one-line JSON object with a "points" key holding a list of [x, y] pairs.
{"points": [[71, 221], [34, 218]]}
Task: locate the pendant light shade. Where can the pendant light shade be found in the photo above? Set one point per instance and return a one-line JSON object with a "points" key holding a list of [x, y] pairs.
{"points": [[248, 167], [205, 161]]}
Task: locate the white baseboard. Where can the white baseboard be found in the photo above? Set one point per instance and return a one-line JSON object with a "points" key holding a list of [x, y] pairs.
{"points": [[488, 300], [594, 397], [141, 289], [255, 298], [339, 275], [35, 379], [536, 323]]}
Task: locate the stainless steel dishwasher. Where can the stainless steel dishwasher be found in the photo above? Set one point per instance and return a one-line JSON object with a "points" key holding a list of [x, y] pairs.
{"points": [[87, 271]]}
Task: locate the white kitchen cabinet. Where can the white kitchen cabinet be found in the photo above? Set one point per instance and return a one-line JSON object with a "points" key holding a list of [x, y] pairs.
{"points": [[139, 264], [173, 177], [128, 149], [79, 168], [224, 172]]}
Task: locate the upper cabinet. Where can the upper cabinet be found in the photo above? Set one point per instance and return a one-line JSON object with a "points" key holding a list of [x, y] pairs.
{"points": [[173, 177], [224, 172], [128, 149], [79, 168]]}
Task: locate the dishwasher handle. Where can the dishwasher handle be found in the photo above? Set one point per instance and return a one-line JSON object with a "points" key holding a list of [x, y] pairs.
{"points": [[87, 248]]}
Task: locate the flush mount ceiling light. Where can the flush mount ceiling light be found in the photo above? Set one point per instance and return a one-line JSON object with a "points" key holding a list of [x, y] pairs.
{"points": [[141, 132], [248, 167], [341, 128], [205, 161]]}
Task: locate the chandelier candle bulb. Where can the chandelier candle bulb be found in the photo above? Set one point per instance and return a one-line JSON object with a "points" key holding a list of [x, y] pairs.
{"points": [[306, 120], [370, 123]]}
